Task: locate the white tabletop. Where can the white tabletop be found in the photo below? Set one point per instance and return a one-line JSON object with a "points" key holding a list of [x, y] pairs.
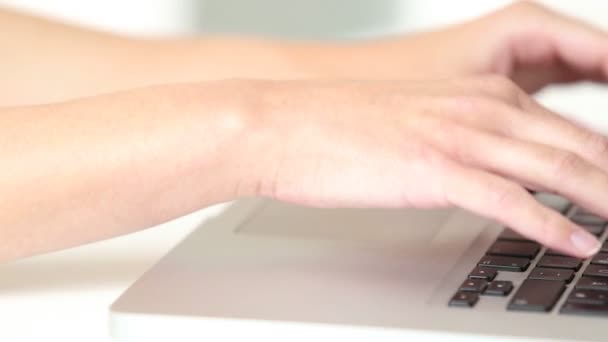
{"points": [[65, 296]]}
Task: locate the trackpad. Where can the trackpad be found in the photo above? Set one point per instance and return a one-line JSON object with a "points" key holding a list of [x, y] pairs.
{"points": [[370, 225]]}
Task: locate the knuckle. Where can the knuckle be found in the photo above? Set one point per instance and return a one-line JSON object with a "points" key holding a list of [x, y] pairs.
{"points": [[498, 80], [501, 86], [448, 135], [437, 123], [428, 154], [506, 197], [466, 104], [565, 165], [549, 223], [446, 128], [452, 139], [597, 144]]}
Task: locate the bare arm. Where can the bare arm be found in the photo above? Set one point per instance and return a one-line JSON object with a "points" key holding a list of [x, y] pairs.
{"points": [[45, 61], [87, 169], [98, 167]]}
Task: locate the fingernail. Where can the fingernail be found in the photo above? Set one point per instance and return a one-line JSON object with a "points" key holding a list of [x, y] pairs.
{"points": [[585, 242]]}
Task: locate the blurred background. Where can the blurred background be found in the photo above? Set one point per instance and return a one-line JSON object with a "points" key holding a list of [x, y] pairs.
{"points": [[317, 19]]}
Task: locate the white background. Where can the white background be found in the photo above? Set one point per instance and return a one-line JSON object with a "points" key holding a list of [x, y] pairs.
{"points": [[64, 296]]}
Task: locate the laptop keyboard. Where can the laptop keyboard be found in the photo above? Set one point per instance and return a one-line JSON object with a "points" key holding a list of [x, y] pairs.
{"points": [[546, 275]]}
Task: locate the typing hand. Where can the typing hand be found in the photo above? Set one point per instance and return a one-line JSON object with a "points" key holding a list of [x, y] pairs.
{"points": [[526, 42], [475, 143]]}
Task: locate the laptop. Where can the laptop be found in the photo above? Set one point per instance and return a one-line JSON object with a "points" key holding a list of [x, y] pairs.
{"points": [[272, 271]]}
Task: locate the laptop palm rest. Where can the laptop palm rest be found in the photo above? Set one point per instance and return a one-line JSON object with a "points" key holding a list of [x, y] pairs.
{"points": [[374, 226], [283, 262]]}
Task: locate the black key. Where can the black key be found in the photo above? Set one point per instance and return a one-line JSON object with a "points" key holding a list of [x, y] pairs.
{"points": [[474, 285], [588, 283], [585, 219], [553, 274], [600, 259], [604, 247], [581, 211], [553, 201], [536, 295], [551, 261], [499, 288], [512, 248], [485, 273], [555, 252], [504, 263], [596, 271], [464, 299], [588, 297], [508, 234], [595, 230], [584, 309]]}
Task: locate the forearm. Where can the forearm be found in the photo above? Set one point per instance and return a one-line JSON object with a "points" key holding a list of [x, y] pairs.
{"points": [[44, 61], [104, 166]]}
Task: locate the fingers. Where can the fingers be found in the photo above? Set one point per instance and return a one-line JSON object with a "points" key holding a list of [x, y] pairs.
{"points": [[524, 119], [523, 141], [508, 203], [546, 127], [537, 166], [579, 45]]}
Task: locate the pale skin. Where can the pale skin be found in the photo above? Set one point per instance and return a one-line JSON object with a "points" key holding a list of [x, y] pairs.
{"points": [[107, 135]]}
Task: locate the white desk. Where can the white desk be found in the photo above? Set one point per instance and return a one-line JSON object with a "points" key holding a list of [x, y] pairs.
{"points": [[65, 296]]}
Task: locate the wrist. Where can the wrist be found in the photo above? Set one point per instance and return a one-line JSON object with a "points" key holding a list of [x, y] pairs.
{"points": [[250, 145]]}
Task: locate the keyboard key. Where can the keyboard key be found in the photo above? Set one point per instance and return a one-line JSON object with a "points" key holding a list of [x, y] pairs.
{"points": [[499, 288], [555, 252], [553, 201], [581, 211], [585, 309], [536, 295], [588, 283], [474, 285], [604, 247], [585, 219], [504, 263], [593, 297], [551, 261], [485, 273], [517, 249], [600, 259], [510, 235], [464, 299], [553, 274], [596, 271], [595, 230]]}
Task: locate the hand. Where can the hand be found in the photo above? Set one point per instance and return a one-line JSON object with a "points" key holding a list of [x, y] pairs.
{"points": [[526, 42], [427, 144]]}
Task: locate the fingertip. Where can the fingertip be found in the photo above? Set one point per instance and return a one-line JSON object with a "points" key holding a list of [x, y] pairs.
{"points": [[585, 244]]}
